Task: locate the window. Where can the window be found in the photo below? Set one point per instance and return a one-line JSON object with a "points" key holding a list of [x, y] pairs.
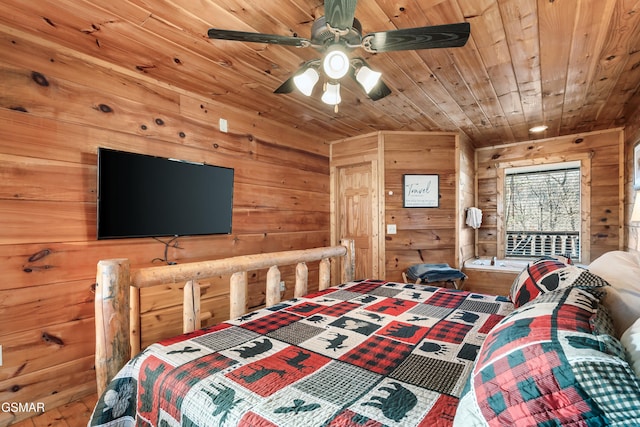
{"points": [[542, 210]]}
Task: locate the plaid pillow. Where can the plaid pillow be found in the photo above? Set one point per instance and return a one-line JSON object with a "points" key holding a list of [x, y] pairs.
{"points": [[544, 365], [549, 274]]}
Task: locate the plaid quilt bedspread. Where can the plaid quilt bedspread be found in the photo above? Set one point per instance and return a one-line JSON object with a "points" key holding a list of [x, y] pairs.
{"points": [[366, 353]]}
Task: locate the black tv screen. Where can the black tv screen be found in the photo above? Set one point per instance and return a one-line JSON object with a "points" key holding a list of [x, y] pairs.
{"points": [[147, 196]]}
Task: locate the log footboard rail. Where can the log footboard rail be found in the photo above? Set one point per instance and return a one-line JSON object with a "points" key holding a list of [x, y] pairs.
{"points": [[117, 297]]}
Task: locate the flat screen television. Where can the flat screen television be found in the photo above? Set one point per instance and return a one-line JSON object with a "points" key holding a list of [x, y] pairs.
{"points": [[147, 196]]}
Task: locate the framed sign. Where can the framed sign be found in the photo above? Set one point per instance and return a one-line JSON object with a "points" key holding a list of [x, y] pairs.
{"points": [[420, 191]]}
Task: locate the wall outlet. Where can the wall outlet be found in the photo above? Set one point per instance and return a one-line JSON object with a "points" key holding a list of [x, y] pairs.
{"points": [[223, 125], [392, 229], [0, 355], [282, 286]]}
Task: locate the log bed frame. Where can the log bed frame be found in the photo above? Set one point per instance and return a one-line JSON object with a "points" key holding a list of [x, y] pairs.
{"points": [[117, 298]]}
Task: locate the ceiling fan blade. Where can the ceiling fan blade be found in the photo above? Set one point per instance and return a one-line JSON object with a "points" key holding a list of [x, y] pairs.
{"points": [[437, 36], [243, 36], [287, 87], [339, 13], [379, 91]]}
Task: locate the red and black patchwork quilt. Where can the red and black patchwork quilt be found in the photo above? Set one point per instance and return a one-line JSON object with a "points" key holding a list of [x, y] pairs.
{"points": [[368, 353]]}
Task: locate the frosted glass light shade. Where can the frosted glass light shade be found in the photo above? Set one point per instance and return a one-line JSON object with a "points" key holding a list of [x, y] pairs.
{"points": [[306, 81], [368, 78], [335, 64], [331, 94]]}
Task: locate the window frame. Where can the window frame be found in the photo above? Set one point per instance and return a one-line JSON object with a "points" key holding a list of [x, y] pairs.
{"points": [[585, 197]]}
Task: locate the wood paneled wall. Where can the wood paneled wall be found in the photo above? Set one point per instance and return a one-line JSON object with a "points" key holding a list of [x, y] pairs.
{"points": [[605, 213], [56, 108], [467, 190], [424, 235]]}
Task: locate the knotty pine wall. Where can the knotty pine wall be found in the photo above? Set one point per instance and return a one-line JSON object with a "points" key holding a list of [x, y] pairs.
{"points": [[466, 188], [427, 235], [605, 216], [424, 235], [55, 111]]}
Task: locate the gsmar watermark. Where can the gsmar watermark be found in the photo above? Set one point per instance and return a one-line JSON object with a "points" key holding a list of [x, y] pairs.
{"points": [[21, 407]]}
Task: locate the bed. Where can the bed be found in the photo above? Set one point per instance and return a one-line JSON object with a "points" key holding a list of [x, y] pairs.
{"points": [[361, 353]]}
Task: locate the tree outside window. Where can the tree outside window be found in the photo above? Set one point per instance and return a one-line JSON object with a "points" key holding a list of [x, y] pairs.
{"points": [[542, 211]]}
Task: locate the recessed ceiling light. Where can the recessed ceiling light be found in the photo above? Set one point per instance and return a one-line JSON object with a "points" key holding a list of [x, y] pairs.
{"points": [[538, 129]]}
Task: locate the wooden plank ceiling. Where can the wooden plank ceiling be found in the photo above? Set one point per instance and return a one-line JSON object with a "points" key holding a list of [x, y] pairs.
{"points": [[569, 64]]}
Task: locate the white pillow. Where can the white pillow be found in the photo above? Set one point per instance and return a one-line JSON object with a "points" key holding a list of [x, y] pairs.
{"points": [[622, 271], [631, 341]]}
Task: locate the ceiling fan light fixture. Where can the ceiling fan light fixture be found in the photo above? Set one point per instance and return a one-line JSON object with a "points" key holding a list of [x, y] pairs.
{"points": [[367, 78], [337, 34], [306, 81], [336, 64], [331, 94]]}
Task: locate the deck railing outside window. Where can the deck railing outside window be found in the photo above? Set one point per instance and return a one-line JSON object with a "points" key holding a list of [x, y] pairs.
{"points": [[538, 243]]}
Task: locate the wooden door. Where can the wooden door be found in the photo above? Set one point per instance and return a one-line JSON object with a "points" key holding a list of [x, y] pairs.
{"points": [[357, 215]]}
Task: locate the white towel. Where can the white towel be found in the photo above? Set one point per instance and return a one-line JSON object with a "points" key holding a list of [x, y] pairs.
{"points": [[474, 217]]}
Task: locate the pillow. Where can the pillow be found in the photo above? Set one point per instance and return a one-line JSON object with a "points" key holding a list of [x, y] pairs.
{"points": [[543, 365], [602, 322], [548, 274], [622, 271], [631, 341]]}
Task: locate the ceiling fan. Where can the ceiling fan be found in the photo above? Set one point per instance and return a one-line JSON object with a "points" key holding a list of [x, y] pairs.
{"points": [[337, 33]]}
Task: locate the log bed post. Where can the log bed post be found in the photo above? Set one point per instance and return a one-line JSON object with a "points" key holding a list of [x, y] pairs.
{"points": [[135, 339], [273, 286], [191, 307], [112, 319], [238, 290], [324, 274], [349, 260], [302, 280]]}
